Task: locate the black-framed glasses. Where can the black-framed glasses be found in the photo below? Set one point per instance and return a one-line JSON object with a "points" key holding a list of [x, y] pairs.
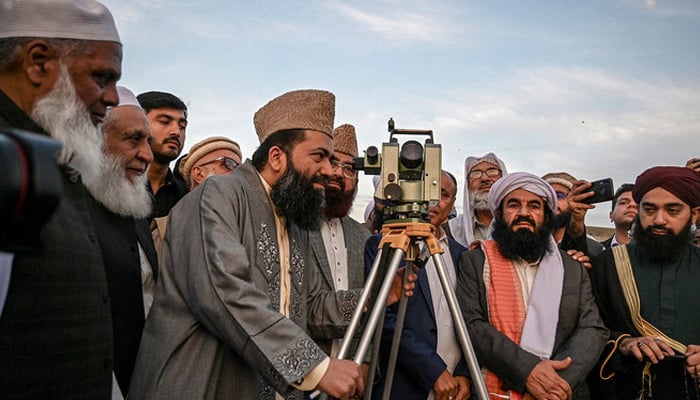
{"points": [[347, 170], [228, 162], [491, 172]]}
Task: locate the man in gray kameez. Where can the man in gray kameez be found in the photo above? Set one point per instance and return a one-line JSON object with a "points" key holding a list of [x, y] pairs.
{"points": [[224, 324]]}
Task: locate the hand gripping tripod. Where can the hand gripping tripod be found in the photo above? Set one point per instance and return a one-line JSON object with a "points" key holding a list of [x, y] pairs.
{"points": [[399, 241]]}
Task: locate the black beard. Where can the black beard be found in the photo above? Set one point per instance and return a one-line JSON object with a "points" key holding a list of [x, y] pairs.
{"points": [[296, 199], [163, 159], [660, 249], [338, 202], [530, 246], [560, 220]]}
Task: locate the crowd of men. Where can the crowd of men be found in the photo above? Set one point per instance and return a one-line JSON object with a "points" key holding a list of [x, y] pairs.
{"points": [[224, 277]]}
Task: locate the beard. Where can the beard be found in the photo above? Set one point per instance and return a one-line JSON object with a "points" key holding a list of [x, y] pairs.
{"points": [[117, 193], [660, 249], [67, 120], [530, 246], [479, 200], [339, 202], [296, 199], [561, 220]]}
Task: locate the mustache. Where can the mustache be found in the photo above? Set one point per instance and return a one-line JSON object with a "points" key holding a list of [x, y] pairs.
{"points": [[319, 179], [527, 220], [173, 139], [339, 181], [658, 227]]}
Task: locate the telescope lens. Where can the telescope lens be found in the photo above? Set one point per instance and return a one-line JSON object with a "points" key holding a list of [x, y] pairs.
{"points": [[411, 154], [372, 154]]}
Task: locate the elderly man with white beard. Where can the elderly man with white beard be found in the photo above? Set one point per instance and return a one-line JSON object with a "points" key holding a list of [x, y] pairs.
{"points": [[123, 203], [473, 224], [59, 64]]}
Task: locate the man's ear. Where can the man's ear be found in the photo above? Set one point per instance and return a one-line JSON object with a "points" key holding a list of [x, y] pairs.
{"points": [[277, 159], [40, 62], [695, 215], [197, 175]]}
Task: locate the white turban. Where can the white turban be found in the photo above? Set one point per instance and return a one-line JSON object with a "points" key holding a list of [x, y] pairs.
{"points": [[521, 180], [462, 227]]}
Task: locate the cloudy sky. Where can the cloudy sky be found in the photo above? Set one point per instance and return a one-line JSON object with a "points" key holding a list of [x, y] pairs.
{"points": [[597, 88]]}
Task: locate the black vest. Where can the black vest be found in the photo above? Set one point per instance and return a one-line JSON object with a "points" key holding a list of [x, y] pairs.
{"points": [[119, 238]]}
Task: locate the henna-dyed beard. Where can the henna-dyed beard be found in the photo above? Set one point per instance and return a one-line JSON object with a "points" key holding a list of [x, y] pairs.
{"points": [[339, 202]]}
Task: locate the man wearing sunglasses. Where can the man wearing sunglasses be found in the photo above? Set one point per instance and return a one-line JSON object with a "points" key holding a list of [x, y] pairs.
{"points": [[216, 155]]}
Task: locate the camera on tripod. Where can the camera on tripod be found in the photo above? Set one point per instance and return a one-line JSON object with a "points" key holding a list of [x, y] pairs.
{"points": [[410, 175], [30, 187]]}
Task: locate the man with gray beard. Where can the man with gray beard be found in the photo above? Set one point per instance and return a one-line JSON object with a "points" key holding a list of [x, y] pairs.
{"points": [[59, 64], [123, 203], [473, 224]]}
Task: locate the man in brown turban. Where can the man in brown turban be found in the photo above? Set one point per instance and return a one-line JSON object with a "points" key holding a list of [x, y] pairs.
{"points": [[647, 292], [337, 247]]}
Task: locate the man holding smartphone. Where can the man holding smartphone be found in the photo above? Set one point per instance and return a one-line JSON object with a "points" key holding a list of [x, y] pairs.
{"points": [[646, 292], [572, 205]]}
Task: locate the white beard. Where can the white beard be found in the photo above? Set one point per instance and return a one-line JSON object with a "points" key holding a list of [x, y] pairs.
{"points": [[66, 119], [479, 200], [117, 193]]}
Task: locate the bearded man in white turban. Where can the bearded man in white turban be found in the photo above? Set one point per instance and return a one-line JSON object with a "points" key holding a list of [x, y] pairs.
{"points": [[529, 308]]}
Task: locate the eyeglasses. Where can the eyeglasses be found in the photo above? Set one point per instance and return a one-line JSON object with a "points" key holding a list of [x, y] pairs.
{"points": [[491, 173], [561, 195], [228, 163], [347, 169]]}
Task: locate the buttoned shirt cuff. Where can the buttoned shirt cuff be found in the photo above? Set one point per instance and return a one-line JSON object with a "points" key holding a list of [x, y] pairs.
{"points": [[311, 380]]}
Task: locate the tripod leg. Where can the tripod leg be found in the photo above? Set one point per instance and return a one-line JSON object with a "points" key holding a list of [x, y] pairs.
{"points": [[357, 314], [379, 305], [374, 361], [396, 340], [461, 329], [381, 269]]}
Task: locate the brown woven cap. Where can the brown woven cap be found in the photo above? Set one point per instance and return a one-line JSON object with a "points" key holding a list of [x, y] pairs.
{"points": [[344, 140], [203, 148], [300, 109]]}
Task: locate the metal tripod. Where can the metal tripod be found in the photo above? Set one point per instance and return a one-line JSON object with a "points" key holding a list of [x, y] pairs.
{"points": [[402, 239]]}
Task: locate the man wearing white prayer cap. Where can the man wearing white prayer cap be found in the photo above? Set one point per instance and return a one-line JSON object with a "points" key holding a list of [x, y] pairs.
{"points": [[59, 64], [529, 308], [123, 203]]}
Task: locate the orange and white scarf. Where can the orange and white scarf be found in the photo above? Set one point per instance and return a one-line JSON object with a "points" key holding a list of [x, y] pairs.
{"points": [[533, 326]]}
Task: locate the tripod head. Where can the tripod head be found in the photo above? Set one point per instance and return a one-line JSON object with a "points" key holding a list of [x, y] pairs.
{"points": [[410, 175]]}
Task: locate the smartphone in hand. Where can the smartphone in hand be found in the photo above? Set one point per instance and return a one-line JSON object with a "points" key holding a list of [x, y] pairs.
{"points": [[603, 189]]}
